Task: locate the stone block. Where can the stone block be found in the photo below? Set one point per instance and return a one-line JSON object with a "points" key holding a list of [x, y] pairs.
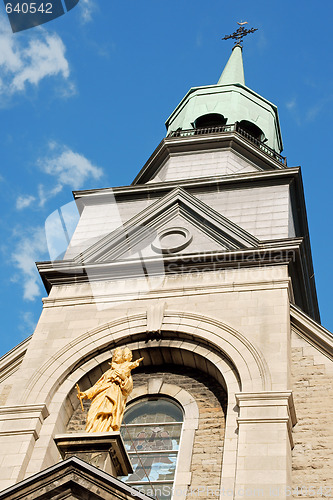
{"points": [[105, 451]]}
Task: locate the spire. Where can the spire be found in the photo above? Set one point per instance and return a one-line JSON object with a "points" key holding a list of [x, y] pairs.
{"points": [[233, 71], [229, 102]]}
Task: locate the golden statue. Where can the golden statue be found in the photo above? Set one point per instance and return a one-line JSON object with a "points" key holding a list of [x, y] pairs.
{"points": [[109, 394]]}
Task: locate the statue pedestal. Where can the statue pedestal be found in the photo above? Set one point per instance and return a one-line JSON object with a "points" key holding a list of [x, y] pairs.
{"points": [[104, 450]]}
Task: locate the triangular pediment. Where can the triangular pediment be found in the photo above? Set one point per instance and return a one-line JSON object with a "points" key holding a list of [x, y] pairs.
{"points": [[178, 223], [72, 479]]}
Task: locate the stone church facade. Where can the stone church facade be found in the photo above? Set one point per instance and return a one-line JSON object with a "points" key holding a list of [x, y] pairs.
{"points": [[202, 267]]}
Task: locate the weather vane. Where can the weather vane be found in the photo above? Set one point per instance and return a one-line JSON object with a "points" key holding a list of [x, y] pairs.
{"points": [[240, 33]]}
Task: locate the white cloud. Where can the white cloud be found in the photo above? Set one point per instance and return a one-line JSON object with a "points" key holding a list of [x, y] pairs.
{"points": [[68, 168], [30, 247], [319, 107], [23, 62], [45, 194], [71, 169], [291, 104], [307, 112], [87, 8], [314, 111], [47, 242], [24, 201]]}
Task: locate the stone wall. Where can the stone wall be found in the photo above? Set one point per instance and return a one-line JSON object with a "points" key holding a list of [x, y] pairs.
{"points": [[312, 460], [4, 392], [211, 399]]}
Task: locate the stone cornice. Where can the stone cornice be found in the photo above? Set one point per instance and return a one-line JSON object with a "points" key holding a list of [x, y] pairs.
{"points": [[18, 412], [22, 419], [99, 196], [206, 142], [267, 407], [11, 361], [289, 252], [64, 475], [168, 291], [270, 253], [312, 331], [267, 399], [85, 443]]}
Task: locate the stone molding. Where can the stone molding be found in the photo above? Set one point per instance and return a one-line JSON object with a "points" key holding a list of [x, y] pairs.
{"points": [[282, 252], [95, 196], [290, 252], [11, 361], [225, 140], [267, 407], [249, 362], [312, 331], [218, 368], [227, 354], [109, 447], [155, 316], [24, 419], [169, 290], [68, 479]]}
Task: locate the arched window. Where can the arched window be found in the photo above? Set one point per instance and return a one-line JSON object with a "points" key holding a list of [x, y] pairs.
{"points": [[210, 120], [151, 432], [252, 129]]}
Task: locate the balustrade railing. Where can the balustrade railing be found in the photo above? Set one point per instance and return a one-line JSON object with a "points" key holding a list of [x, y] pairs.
{"points": [[234, 127]]}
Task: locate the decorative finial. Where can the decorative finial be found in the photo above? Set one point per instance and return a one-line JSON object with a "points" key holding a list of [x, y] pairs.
{"points": [[240, 33]]}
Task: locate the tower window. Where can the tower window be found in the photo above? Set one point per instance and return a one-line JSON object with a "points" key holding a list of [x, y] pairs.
{"points": [[252, 129], [210, 120], [151, 432]]}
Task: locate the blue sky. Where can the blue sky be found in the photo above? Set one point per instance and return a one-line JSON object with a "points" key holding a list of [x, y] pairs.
{"points": [[84, 98]]}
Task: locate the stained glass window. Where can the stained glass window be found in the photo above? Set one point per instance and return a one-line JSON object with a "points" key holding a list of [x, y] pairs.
{"points": [[151, 432]]}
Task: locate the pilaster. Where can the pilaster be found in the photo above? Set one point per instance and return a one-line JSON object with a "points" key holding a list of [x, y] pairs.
{"points": [[264, 444], [20, 427]]}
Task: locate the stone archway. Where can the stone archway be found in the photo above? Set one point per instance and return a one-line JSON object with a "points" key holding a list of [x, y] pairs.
{"points": [[191, 339], [248, 362]]}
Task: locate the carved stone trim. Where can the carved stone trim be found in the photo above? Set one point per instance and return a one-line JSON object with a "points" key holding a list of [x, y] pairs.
{"points": [[158, 246], [155, 317], [72, 478], [104, 450], [25, 419], [267, 407]]}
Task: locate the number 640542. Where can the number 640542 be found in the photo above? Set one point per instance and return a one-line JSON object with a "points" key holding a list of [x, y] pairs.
{"points": [[29, 8]]}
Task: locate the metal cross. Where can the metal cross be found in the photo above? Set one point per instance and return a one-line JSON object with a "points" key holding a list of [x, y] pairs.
{"points": [[240, 33]]}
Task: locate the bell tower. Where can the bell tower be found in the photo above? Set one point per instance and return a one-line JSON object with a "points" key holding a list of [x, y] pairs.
{"points": [[229, 103]]}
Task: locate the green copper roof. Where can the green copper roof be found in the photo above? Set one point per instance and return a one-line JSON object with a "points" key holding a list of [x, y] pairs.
{"points": [[232, 101], [234, 70]]}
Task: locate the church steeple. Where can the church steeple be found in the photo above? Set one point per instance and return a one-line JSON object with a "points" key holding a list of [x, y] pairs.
{"points": [[229, 102], [234, 71]]}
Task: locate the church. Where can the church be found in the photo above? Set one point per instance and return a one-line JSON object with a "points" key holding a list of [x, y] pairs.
{"points": [[202, 267]]}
